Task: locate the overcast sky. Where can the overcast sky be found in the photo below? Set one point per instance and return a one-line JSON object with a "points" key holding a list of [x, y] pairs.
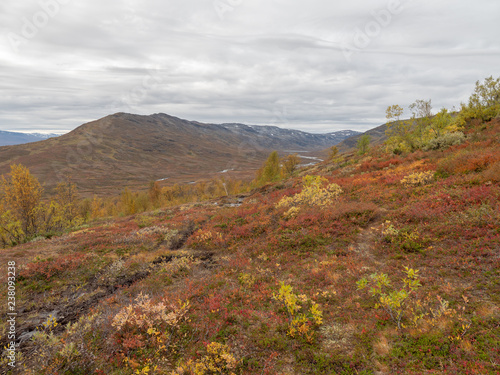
{"points": [[316, 65]]}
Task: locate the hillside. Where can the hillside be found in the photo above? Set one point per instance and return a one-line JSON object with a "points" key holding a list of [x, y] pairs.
{"points": [[272, 282], [121, 150], [15, 138], [377, 138]]}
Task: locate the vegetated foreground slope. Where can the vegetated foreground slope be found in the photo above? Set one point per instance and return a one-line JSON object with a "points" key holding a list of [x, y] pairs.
{"points": [[274, 282], [122, 150]]}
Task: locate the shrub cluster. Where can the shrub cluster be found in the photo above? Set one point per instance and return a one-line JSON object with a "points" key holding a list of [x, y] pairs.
{"points": [[393, 302], [418, 178], [144, 314], [467, 161], [405, 239], [217, 361], [444, 141], [316, 192], [300, 324]]}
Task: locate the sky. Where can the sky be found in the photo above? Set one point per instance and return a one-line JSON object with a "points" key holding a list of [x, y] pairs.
{"points": [[316, 65]]}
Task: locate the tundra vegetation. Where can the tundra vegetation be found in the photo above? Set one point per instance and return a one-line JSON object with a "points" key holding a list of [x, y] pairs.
{"points": [[385, 261]]}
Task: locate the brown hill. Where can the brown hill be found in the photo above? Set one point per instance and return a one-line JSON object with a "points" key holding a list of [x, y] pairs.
{"points": [[121, 150]]}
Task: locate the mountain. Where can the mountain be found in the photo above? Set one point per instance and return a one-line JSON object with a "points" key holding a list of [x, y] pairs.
{"points": [[130, 150], [15, 138], [377, 137], [270, 136]]}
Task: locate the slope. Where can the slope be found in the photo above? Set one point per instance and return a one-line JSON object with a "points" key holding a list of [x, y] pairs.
{"points": [[130, 150], [271, 283], [377, 137]]}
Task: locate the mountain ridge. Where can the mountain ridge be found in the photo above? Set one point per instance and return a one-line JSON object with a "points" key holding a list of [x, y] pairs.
{"points": [[8, 138], [124, 149]]}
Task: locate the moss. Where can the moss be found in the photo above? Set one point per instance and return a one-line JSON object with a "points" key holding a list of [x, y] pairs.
{"points": [[428, 351]]}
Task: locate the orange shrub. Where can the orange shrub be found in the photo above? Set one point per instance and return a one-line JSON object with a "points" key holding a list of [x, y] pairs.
{"points": [[492, 172], [467, 161]]}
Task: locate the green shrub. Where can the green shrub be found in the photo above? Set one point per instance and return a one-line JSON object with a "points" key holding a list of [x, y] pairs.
{"points": [[444, 141], [143, 221], [393, 301], [405, 239]]}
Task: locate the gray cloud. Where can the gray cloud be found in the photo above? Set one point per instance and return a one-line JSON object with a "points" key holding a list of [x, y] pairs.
{"points": [[318, 65]]}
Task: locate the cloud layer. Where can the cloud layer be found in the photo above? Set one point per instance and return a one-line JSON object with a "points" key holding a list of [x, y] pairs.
{"points": [[318, 66]]}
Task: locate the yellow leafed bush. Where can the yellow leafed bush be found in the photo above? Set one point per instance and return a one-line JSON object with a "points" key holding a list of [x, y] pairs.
{"points": [[300, 324], [218, 360], [291, 213], [145, 314], [316, 192], [418, 178]]}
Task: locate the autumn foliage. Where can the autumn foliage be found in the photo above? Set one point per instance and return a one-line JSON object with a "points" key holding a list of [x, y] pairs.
{"points": [[379, 263]]}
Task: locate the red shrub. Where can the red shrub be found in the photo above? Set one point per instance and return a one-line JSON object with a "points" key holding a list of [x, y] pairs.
{"points": [[379, 164], [480, 194], [50, 267], [387, 163]]}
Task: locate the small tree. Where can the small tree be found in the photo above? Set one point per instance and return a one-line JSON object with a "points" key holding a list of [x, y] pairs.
{"points": [[398, 132], [96, 207], [270, 170], [421, 116], [11, 232], [22, 196], [363, 144], [290, 164], [441, 122], [67, 198], [333, 152], [393, 113], [484, 103], [154, 193], [334, 155], [128, 202]]}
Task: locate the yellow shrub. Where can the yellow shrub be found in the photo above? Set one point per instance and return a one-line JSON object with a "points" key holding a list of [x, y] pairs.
{"points": [[291, 213], [179, 264], [418, 178], [314, 193], [202, 236], [246, 279], [301, 324], [218, 360], [146, 314]]}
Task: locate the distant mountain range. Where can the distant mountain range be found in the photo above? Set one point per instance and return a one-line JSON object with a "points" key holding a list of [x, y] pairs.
{"points": [[15, 138], [276, 135], [120, 150]]}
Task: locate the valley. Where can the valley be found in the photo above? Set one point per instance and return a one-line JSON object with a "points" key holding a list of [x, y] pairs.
{"points": [[123, 150]]}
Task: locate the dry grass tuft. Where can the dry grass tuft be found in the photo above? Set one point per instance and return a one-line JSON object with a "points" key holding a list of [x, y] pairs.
{"points": [[337, 335]]}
